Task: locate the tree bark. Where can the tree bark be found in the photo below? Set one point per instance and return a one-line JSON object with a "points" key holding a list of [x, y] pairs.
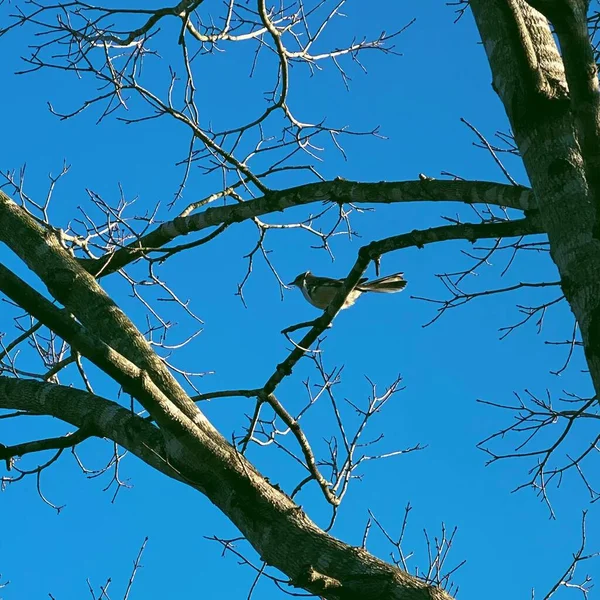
{"points": [[278, 528], [529, 77]]}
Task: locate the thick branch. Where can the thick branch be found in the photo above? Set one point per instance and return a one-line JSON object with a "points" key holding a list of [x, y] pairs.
{"points": [[7, 453], [469, 192], [272, 523], [470, 232], [79, 292], [278, 529], [86, 411], [98, 352], [134, 380]]}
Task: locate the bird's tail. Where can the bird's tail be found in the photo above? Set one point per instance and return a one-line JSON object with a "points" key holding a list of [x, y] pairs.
{"points": [[386, 285]]}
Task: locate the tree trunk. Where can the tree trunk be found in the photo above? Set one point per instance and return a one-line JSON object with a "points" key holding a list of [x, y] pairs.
{"points": [[529, 77]]}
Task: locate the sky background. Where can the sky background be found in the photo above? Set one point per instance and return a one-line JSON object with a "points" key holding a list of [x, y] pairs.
{"points": [[417, 99]]}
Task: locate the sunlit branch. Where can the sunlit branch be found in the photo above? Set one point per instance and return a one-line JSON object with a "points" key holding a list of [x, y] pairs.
{"points": [[338, 191], [130, 376], [84, 298], [569, 18]]}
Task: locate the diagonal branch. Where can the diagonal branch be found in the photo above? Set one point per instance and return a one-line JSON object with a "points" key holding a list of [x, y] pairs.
{"points": [[81, 295], [269, 519], [134, 380], [89, 411], [566, 580], [309, 456], [419, 238], [275, 526], [372, 252]]}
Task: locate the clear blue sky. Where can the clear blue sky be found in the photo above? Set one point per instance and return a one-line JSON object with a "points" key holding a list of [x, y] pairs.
{"points": [[418, 99]]}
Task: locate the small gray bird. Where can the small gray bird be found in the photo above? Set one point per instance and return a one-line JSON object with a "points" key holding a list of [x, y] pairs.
{"points": [[319, 291]]}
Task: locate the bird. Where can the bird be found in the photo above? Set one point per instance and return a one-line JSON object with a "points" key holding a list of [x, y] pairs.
{"points": [[320, 291]]}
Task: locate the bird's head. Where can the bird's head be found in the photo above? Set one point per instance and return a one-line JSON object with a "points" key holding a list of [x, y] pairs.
{"points": [[299, 281]]}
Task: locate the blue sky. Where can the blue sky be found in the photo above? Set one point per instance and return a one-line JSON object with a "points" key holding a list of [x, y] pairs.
{"points": [[417, 99]]}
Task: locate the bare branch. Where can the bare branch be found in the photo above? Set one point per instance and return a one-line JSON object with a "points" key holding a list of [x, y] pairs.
{"points": [[8, 453], [537, 417], [338, 191], [566, 580]]}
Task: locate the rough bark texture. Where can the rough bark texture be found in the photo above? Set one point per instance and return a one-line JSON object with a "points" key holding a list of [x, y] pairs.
{"points": [[278, 528], [182, 446], [528, 75]]}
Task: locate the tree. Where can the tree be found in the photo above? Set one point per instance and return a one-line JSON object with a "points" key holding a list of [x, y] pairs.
{"points": [[256, 166]]}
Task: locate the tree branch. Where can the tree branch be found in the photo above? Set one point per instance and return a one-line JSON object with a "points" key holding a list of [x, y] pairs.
{"points": [[529, 77], [97, 351], [569, 18], [274, 525], [419, 238], [341, 191], [85, 410], [79, 292], [7, 453]]}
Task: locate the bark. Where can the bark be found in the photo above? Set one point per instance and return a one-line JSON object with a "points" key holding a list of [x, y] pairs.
{"points": [[339, 190], [278, 528], [529, 77]]}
